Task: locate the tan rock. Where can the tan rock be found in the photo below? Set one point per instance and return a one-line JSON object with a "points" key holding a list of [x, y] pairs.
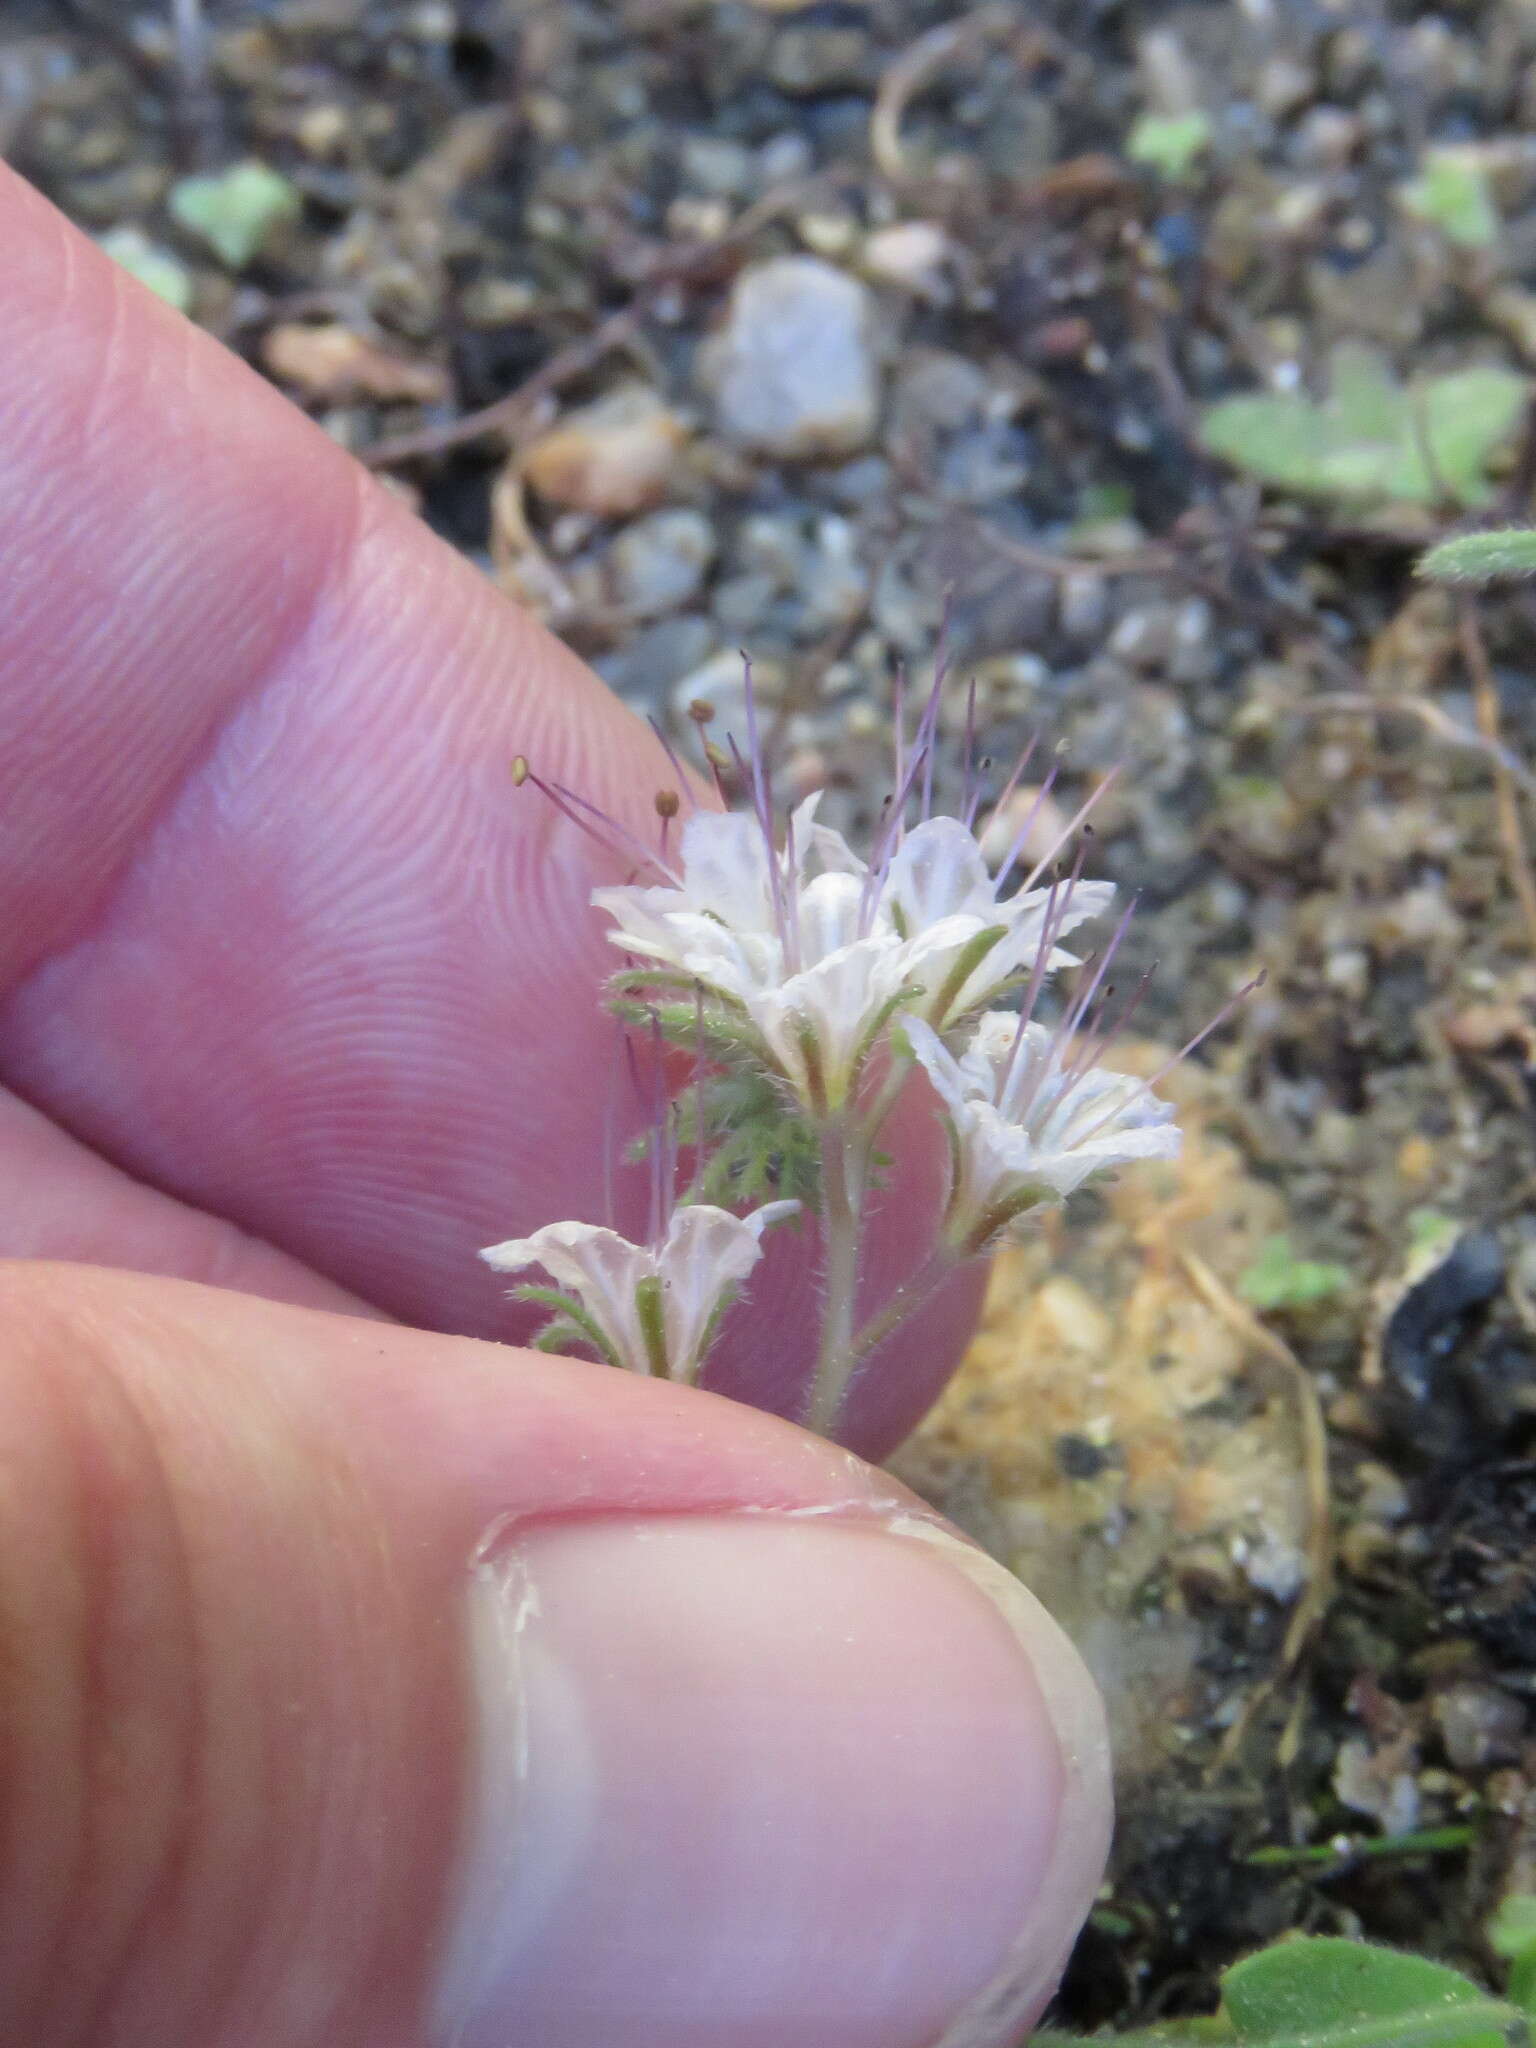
{"points": [[613, 457], [332, 363]]}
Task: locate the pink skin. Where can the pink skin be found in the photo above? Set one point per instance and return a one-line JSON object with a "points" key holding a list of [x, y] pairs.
{"points": [[300, 1002], [280, 938]]}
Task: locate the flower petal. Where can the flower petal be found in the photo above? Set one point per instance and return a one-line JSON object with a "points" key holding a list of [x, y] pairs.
{"points": [[598, 1266], [726, 870], [939, 1063], [938, 871], [834, 1005], [828, 916]]}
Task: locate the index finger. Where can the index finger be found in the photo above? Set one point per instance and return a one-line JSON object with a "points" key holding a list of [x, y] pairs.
{"points": [[279, 936]]}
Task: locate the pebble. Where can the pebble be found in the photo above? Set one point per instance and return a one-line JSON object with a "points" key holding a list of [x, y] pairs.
{"points": [[793, 371], [721, 681], [1028, 806], [1082, 600], [716, 165], [1479, 1725], [1284, 86], [613, 457], [660, 561], [649, 663], [913, 255], [333, 363], [1175, 641], [835, 581], [816, 59]]}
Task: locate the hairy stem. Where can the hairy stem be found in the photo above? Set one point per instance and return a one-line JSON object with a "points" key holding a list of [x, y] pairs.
{"points": [[906, 1301], [843, 1155]]}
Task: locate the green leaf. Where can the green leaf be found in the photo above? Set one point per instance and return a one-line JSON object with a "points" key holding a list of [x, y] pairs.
{"points": [[234, 211], [757, 1144], [165, 275], [1512, 1934], [1453, 194], [1431, 1233], [1372, 440], [1169, 143], [1279, 1279], [1321, 1992], [1482, 557]]}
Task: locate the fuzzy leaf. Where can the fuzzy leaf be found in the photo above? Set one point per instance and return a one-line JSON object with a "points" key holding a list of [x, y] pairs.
{"points": [[1373, 440], [758, 1146], [164, 274], [1453, 194], [1482, 557], [1169, 143], [1279, 1279], [1512, 1934], [234, 211], [1321, 1991]]}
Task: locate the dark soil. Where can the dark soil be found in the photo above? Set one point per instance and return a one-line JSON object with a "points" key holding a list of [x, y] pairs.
{"points": [[1309, 782]]}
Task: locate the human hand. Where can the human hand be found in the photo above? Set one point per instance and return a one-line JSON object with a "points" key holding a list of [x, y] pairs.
{"points": [[301, 1003]]}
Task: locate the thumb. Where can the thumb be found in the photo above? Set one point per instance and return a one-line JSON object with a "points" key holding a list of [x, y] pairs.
{"points": [[365, 1691]]}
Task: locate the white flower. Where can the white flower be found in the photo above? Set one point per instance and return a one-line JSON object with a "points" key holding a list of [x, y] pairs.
{"points": [[963, 943], [654, 1307], [1027, 1124], [792, 951]]}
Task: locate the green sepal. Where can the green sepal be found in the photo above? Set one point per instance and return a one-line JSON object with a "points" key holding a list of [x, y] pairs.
{"points": [[653, 1330], [972, 953], [575, 1313]]}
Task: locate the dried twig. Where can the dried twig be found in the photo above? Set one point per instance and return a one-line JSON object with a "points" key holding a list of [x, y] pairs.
{"points": [[1297, 1383], [681, 268], [1431, 717], [1485, 699], [912, 70]]}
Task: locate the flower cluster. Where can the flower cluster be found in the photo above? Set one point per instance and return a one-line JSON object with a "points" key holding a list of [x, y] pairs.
{"points": [[807, 951], [778, 950]]}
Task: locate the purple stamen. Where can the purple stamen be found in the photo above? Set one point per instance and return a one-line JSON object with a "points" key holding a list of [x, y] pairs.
{"points": [[1093, 798], [765, 826], [1099, 1047], [894, 828], [926, 739], [762, 788], [1021, 837], [1220, 1018], [1080, 1004], [899, 725], [611, 1130], [1050, 931], [684, 779], [660, 1121], [792, 952], [613, 837], [1057, 905], [1009, 787]]}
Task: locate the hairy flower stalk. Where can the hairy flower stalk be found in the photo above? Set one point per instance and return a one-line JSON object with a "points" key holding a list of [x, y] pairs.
{"points": [[808, 982]]}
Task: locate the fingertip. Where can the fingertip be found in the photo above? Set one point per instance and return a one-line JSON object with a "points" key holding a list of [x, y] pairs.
{"points": [[743, 1780]]}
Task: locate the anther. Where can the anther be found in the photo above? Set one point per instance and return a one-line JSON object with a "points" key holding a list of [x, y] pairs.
{"points": [[667, 803]]}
